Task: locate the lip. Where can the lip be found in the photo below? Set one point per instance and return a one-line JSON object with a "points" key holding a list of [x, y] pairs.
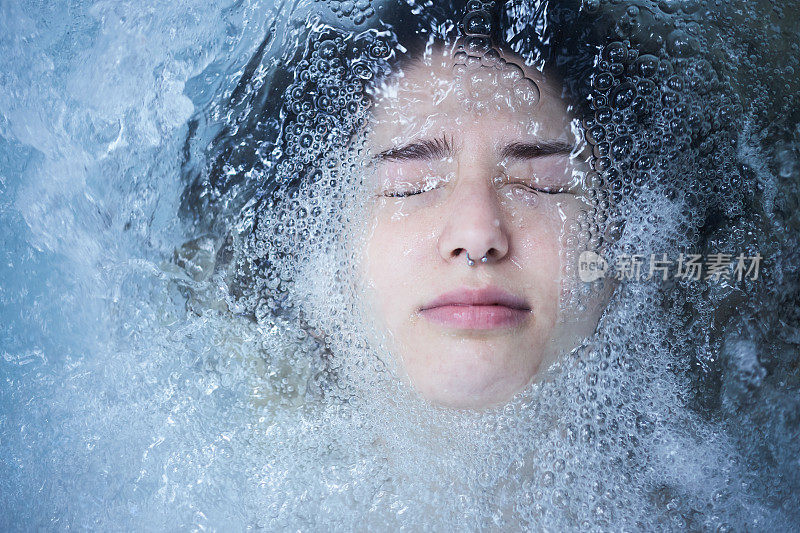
{"points": [[477, 309]]}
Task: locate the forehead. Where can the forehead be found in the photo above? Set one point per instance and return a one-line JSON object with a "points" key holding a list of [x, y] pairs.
{"points": [[443, 93]]}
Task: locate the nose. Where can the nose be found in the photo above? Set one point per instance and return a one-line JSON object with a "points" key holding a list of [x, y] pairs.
{"points": [[474, 225]]}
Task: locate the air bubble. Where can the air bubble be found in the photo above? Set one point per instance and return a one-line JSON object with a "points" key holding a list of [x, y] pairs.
{"points": [[616, 52], [362, 70], [379, 50], [623, 96], [604, 81], [680, 44], [477, 23], [647, 65]]}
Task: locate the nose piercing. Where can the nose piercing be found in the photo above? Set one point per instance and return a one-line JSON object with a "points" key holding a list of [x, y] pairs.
{"points": [[471, 262]]}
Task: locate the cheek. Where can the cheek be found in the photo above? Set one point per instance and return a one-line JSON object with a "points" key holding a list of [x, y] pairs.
{"points": [[538, 236], [540, 239], [550, 226], [395, 259]]}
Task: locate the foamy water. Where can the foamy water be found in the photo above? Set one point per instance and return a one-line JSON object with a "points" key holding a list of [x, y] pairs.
{"points": [[181, 345]]}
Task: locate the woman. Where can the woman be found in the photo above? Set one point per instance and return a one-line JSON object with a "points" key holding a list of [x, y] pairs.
{"points": [[410, 203], [494, 327]]}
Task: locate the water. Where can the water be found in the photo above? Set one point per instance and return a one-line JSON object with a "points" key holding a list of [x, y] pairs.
{"points": [[181, 344]]}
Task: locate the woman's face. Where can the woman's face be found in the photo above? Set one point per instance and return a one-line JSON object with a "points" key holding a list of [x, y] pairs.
{"points": [[471, 161]]}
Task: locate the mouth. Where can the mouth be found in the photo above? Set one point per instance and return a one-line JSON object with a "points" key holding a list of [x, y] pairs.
{"points": [[477, 309]]}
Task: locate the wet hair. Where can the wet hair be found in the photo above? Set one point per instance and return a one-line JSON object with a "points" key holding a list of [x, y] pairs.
{"points": [[241, 161], [291, 109], [252, 153]]}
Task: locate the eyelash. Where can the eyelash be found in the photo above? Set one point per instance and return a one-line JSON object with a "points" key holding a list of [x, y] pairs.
{"points": [[535, 190], [403, 194]]}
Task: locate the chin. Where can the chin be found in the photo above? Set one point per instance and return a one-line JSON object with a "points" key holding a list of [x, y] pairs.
{"points": [[467, 399], [480, 389]]}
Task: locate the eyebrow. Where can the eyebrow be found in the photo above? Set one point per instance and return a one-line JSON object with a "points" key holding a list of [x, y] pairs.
{"points": [[532, 150], [424, 149], [430, 149]]}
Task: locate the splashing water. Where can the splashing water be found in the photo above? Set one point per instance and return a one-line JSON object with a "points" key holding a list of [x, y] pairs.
{"points": [[183, 339]]}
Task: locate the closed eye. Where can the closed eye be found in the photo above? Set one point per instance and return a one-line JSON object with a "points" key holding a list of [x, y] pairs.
{"points": [[528, 187], [401, 194], [429, 185], [542, 190]]}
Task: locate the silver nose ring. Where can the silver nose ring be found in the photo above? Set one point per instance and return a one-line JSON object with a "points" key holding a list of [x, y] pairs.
{"points": [[471, 262]]}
